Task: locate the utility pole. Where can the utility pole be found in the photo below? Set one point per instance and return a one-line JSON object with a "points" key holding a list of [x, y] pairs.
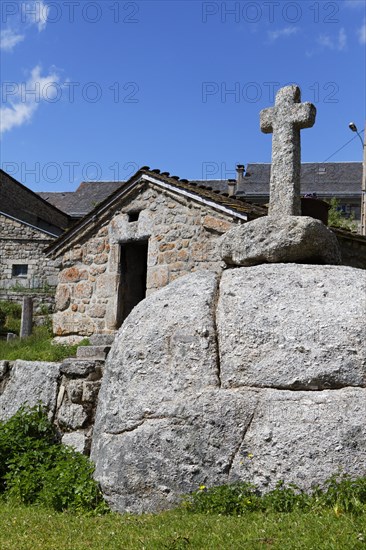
{"points": [[353, 127]]}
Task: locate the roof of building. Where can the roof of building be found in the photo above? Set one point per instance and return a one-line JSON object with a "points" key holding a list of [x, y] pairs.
{"points": [[331, 179], [22, 203], [78, 203], [237, 207], [326, 178]]}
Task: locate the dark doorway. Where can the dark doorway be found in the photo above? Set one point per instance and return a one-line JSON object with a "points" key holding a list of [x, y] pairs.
{"points": [[133, 269]]}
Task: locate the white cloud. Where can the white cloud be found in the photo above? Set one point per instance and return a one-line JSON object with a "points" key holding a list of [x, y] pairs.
{"points": [[26, 98], [287, 31], [32, 13], [35, 12], [9, 39], [362, 33], [334, 43]]}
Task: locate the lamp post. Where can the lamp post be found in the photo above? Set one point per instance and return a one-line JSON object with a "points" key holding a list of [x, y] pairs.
{"points": [[353, 127]]}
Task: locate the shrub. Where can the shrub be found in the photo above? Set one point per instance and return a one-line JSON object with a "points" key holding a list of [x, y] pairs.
{"points": [[340, 493], [10, 314], [36, 469], [336, 218], [343, 494]]}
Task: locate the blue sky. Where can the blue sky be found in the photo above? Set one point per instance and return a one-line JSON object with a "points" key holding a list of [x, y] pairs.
{"points": [[95, 89]]}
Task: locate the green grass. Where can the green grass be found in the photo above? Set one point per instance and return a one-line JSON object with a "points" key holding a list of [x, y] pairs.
{"points": [[35, 469], [10, 314], [37, 347], [33, 528]]}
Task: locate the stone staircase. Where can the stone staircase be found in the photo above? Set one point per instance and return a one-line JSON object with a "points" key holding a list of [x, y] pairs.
{"points": [[99, 348]]}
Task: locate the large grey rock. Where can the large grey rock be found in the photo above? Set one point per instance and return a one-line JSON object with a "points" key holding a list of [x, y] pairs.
{"points": [[172, 449], [292, 326], [162, 359], [177, 408], [28, 383], [303, 438], [283, 239]]}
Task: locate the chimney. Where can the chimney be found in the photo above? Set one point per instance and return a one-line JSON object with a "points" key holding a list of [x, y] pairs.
{"points": [[231, 184], [240, 179]]}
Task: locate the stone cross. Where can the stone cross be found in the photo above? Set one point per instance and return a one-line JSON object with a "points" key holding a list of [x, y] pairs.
{"points": [[285, 120]]}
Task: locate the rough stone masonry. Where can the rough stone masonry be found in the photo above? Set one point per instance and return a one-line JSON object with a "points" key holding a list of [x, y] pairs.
{"points": [[258, 375]]}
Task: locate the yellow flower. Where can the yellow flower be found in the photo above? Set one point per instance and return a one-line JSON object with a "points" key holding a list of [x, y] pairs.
{"points": [[337, 510], [202, 487], [250, 455]]}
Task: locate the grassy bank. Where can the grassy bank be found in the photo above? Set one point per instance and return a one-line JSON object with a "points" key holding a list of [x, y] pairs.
{"points": [[38, 347], [23, 528]]}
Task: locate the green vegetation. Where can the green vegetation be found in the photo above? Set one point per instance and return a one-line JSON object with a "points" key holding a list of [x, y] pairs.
{"points": [[38, 347], [336, 218], [67, 510], [34, 528], [36, 469], [340, 494], [10, 314]]}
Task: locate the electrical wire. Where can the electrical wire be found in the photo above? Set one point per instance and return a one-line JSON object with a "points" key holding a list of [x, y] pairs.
{"points": [[343, 146]]}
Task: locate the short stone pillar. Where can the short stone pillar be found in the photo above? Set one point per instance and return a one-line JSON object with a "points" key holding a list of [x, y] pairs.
{"points": [[27, 317]]}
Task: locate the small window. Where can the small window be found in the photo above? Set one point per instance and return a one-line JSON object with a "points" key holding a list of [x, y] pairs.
{"points": [[134, 215], [20, 270], [322, 170]]}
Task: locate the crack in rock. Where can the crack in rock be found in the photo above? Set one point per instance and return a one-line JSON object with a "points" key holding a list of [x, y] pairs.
{"points": [[237, 448], [216, 335]]}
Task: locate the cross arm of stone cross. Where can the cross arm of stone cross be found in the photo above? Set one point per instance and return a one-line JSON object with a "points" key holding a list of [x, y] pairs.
{"points": [[301, 115], [285, 120]]}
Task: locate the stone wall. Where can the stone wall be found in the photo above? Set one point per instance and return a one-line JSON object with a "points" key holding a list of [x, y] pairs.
{"points": [[353, 248], [69, 390], [182, 237], [22, 244]]}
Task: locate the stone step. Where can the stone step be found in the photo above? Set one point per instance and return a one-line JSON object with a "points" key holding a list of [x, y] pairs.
{"points": [[75, 368], [92, 352], [102, 339]]}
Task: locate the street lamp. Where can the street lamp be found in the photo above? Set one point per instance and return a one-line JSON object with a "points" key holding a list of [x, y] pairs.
{"points": [[352, 126]]}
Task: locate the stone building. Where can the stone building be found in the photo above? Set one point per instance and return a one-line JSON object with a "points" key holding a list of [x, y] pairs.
{"points": [[150, 231], [340, 180], [28, 224]]}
